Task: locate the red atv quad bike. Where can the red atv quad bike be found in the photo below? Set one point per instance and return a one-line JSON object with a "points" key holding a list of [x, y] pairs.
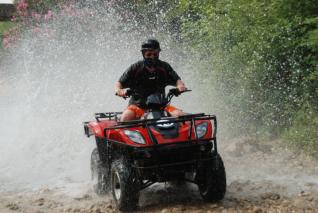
{"points": [[133, 155]]}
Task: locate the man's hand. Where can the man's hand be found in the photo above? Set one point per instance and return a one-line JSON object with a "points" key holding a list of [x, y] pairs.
{"points": [[121, 92], [181, 86]]}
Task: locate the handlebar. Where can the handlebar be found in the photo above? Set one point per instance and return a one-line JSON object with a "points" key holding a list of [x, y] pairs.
{"points": [[128, 93], [172, 92], [176, 92]]}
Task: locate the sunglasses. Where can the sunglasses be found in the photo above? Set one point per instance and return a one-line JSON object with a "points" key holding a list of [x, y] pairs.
{"points": [[151, 54]]}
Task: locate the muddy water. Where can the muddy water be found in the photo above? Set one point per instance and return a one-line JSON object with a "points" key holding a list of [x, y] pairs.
{"points": [[262, 177]]}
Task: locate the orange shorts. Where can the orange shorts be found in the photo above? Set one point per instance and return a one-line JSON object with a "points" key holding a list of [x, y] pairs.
{"points": [[140, 112]]}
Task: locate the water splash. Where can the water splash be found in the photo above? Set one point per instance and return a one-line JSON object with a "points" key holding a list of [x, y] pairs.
{"points": [[58, 75]]}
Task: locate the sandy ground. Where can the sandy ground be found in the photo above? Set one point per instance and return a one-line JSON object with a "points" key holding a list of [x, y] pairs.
{"points": [[262, 177]]}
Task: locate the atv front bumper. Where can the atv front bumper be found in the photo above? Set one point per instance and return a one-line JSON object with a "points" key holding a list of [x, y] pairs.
{"points": [[168, 162]]}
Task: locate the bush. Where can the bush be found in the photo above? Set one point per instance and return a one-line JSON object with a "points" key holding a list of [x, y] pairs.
{"points": [[303, 133], [4, 27]]}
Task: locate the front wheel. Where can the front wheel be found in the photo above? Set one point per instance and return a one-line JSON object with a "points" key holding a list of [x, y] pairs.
{"points": [[212, 180], [124, 186], [100, 175]]}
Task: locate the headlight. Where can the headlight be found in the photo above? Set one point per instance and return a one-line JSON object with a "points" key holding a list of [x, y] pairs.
{"points": [[135, 136], [201, 129]]}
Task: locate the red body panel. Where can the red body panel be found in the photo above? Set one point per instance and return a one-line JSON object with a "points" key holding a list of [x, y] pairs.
{"points": [[97, 129]]}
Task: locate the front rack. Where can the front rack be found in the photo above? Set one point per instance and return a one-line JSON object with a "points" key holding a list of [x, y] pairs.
{"points": [[169, 119], [149, 122]]}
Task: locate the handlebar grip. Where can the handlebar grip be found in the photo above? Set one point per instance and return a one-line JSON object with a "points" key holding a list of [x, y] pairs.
{"points": [[129, 92]]}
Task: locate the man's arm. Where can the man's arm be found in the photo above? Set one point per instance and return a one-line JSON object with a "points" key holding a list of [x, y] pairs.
{"points": [[125, 80]]}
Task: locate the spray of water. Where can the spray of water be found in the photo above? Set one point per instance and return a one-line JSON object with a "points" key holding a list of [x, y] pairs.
{"points": [[59, 74]]}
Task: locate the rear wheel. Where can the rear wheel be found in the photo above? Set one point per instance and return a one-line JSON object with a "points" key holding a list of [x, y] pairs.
{"points": [[212, 180], [100, 175], [124, 186]]}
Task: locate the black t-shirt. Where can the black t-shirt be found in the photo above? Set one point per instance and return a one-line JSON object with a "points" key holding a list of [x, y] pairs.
{"points": [[145, 82]]}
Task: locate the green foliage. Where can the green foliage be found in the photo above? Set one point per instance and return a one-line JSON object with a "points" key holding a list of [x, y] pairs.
{"points": [[303, 134], [260, 58], [4, 27]]}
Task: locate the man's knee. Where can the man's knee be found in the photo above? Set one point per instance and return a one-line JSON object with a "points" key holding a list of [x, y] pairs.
{"points": [[177, 113]]}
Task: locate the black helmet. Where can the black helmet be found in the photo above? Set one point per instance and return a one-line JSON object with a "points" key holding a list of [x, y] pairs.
{"points": [[150, 44]]}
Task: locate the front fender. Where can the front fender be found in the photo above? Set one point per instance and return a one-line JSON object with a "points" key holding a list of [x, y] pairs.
{"points": [[93, 128]]}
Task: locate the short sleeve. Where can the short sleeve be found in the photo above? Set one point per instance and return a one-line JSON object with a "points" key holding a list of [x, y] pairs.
{"points": [[127, 77]]}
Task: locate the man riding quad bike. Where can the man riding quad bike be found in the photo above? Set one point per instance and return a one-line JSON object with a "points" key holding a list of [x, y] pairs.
{"points": [[152, 143], [146, 77]]}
